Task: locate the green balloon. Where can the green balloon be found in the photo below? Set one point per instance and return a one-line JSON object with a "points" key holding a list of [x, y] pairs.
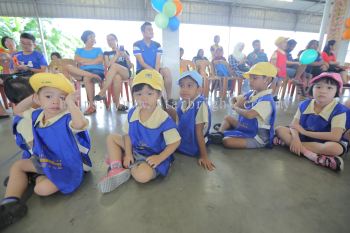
{"points": [[161, 20], [169, 9]]}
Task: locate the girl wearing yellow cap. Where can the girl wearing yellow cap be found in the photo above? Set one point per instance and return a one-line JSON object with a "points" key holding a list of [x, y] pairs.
{"points": [[145, 150], [60, 145]]}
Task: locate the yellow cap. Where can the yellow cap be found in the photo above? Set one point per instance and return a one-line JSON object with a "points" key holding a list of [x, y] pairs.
{"points": [[262, 68], [150, 77], [280, 39], [58, 81]]}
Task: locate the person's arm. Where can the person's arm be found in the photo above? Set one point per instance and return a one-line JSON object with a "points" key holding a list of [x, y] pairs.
{"points": [[142, 62], [203, 155], [250, 114], [158, 62], [86, 61], [292, 63], [78, 120], [24, 105], [273, 59], [155, 160], [128, 159]]}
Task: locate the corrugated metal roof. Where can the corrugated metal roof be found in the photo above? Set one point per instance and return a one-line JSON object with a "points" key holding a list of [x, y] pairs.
{"points": [[271, 14]]}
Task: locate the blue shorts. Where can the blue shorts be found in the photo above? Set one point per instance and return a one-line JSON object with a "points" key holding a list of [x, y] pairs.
{"points": [[100, 73], [291, 72], [138, 159]]}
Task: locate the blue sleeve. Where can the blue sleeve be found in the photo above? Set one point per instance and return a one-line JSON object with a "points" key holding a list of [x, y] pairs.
{"points": [[99, 52], [42, 60], [136, 48], [159, 48], [78, 52]]}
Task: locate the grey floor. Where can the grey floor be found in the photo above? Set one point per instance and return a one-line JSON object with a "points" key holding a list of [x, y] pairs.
{"points": [[250, 191]]}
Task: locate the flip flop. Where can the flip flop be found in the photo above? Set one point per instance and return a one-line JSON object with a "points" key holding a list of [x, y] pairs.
{"points": [[122, 108]]}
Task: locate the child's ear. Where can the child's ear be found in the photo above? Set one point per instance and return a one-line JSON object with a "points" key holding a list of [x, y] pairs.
{"points": [[200, 90], [36, 99]]}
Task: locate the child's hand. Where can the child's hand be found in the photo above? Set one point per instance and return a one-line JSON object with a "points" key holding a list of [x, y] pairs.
{"points": [[154, 160], [206, 164], [128, 160], [240, 100], [298, 128], [72, 98], [296, 147]]}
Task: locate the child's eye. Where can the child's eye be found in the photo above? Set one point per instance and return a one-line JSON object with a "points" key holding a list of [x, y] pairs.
{"points": [[48, 96], [62, 97]]}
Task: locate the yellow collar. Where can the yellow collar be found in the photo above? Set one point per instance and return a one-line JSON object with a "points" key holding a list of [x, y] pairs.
{"points": [[326, 111], [256, 96], [156, 119], [50, 121]]}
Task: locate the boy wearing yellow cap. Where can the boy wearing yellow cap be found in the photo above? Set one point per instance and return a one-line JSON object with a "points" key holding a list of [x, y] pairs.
{"points": [[150, 137], [60, 145], [279, 59], [254, 127]]}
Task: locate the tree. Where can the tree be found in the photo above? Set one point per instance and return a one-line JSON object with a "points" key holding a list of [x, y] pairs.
{"points": [[55, 40]]}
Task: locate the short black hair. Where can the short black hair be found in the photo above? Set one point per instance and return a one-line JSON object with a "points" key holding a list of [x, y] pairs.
{"points": [[26, 35], [113, 35], [3, 40], [139, 87], [56, 54], [291, 42], [144, 25], [84, 37], [327, 80], [255, 41]]}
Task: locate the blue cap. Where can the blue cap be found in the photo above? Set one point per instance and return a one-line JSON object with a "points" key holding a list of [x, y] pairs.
{"points": [[194, 75]]}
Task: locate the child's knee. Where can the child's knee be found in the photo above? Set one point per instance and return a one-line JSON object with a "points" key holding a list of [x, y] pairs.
{"points": [[281, 129], [45, 189], [143, 173]]}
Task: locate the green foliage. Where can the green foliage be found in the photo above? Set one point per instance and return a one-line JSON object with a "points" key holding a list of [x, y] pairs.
{"points": [[55, 40]]}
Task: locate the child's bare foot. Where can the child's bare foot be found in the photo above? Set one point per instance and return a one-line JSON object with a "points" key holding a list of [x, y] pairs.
{"points": [[277, 141]]}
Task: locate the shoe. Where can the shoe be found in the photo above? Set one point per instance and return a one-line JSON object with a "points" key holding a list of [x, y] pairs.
{"points": [[11, 213], [172, 102], [275, 99], [90, 110], [217, 126], [216, 138], [4, 116], [114, 178], [333, 162], [122, 108], [99, 97]]}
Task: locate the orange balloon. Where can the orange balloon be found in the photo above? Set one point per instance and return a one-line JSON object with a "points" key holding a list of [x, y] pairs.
{"points": [[346, 34], [347, 23], [179, 7]]}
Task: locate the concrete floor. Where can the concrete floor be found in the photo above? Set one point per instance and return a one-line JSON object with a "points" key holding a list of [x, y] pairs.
{"points": [[250, 191]]}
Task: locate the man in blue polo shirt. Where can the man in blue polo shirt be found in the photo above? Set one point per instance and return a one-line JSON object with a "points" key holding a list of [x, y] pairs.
{"points": [[148, 54], [29, 60], [258, 55]]}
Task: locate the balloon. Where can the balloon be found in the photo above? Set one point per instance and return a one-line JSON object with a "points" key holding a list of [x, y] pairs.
{"points": [[178, 8], [346, 34], [161, 20], [158, 5], [347, 23], [174, 23], [169, 9], [308, 56]]}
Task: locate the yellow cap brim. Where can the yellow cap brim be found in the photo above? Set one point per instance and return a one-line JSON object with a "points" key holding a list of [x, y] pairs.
{"points": [[58, 81]]}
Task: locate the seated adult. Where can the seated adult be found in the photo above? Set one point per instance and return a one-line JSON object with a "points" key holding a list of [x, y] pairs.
{"points": [[185, 65], [237, 61], [29, 60], [90, 59], [200, 56], [328, 56], [317, 67], [258, 55], [55, 56], [118, 64], [148, 54]]}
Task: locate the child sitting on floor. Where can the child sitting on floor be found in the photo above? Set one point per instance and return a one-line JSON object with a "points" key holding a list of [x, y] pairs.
{"points": [[60, 145], [194, 119], [316, 131], [150, 137], [257, 112]]}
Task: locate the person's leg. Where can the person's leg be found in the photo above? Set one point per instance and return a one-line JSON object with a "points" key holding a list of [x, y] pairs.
{"points": [[3, 112], [44, 187], [165, 72], [78, 73], [116, 174], [237, 143], [283, 133], [90, 92], [117, 73], [143, 173], [228, 123]]}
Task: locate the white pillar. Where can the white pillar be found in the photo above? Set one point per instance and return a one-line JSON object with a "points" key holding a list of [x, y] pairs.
{"points": [[171, 58], [325, 20], [342, 48]]}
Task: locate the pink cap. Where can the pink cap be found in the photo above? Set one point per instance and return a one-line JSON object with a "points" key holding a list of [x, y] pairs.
{"points": [[335, 76]]}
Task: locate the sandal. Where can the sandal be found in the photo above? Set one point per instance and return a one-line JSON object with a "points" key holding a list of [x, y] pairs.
{"points": [[122, 108], [99, 97], [217, 126], [216, 138], [90, 110]]}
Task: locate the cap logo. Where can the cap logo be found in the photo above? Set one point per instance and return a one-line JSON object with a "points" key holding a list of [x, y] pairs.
{"points": [[148, 75]]}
